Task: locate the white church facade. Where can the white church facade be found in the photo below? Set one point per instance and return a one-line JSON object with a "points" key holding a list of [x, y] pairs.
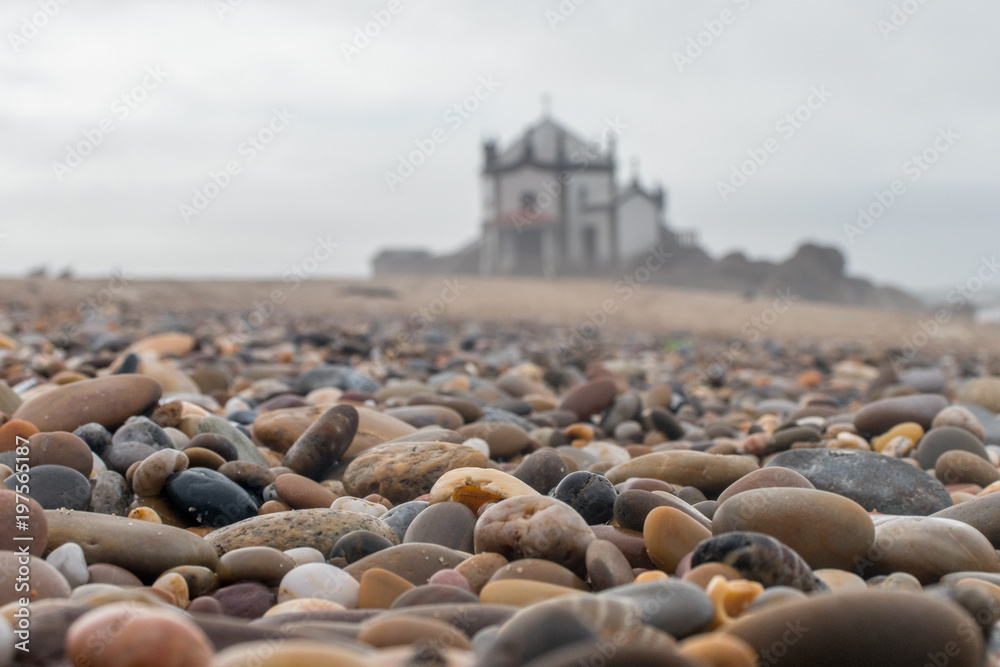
{"points": [[551, 205]]}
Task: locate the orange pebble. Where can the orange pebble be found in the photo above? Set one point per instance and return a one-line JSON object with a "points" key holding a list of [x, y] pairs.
{"points": [[13, 429], [731, 598]]}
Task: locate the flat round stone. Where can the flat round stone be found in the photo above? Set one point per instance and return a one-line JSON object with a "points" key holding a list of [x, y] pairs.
{"points": [[108, 401]]}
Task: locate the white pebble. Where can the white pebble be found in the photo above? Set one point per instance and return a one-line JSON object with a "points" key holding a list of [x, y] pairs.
{"points": [[303, 555], [359, 505], [71, 563], [319, 580], [478, 443]]}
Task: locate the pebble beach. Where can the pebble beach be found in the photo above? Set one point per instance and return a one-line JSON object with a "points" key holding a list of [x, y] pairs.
{"points": [[318, 489]]}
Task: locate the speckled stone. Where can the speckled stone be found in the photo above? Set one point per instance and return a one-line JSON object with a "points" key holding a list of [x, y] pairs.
{"points": [[316, 528], [403, 471], [876, 482], [760, 558], [535, 527]]}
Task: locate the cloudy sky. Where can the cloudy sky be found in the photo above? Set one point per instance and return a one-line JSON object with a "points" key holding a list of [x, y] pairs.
{"points": [[114, 116]]}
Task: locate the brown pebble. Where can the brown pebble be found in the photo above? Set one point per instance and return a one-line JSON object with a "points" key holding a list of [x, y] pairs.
{"points": [[536, 569], [60, 448], [146, 637], [381, 632], [479, 568], [300, 492], [204, 458], [379, 588]]}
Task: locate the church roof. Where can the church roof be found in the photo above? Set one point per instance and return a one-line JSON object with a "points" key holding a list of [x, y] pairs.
{"points": [[547, 143], [635, 188]]}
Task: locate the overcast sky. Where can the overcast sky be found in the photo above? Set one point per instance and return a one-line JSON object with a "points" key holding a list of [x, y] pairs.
{"points": [[183, 85]]}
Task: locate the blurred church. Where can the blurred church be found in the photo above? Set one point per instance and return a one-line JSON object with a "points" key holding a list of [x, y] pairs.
{"points": [[552, 206]]}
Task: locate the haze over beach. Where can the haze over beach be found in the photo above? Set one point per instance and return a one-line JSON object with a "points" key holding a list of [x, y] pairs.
{"points": [[692, 105], [520, 334]]}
